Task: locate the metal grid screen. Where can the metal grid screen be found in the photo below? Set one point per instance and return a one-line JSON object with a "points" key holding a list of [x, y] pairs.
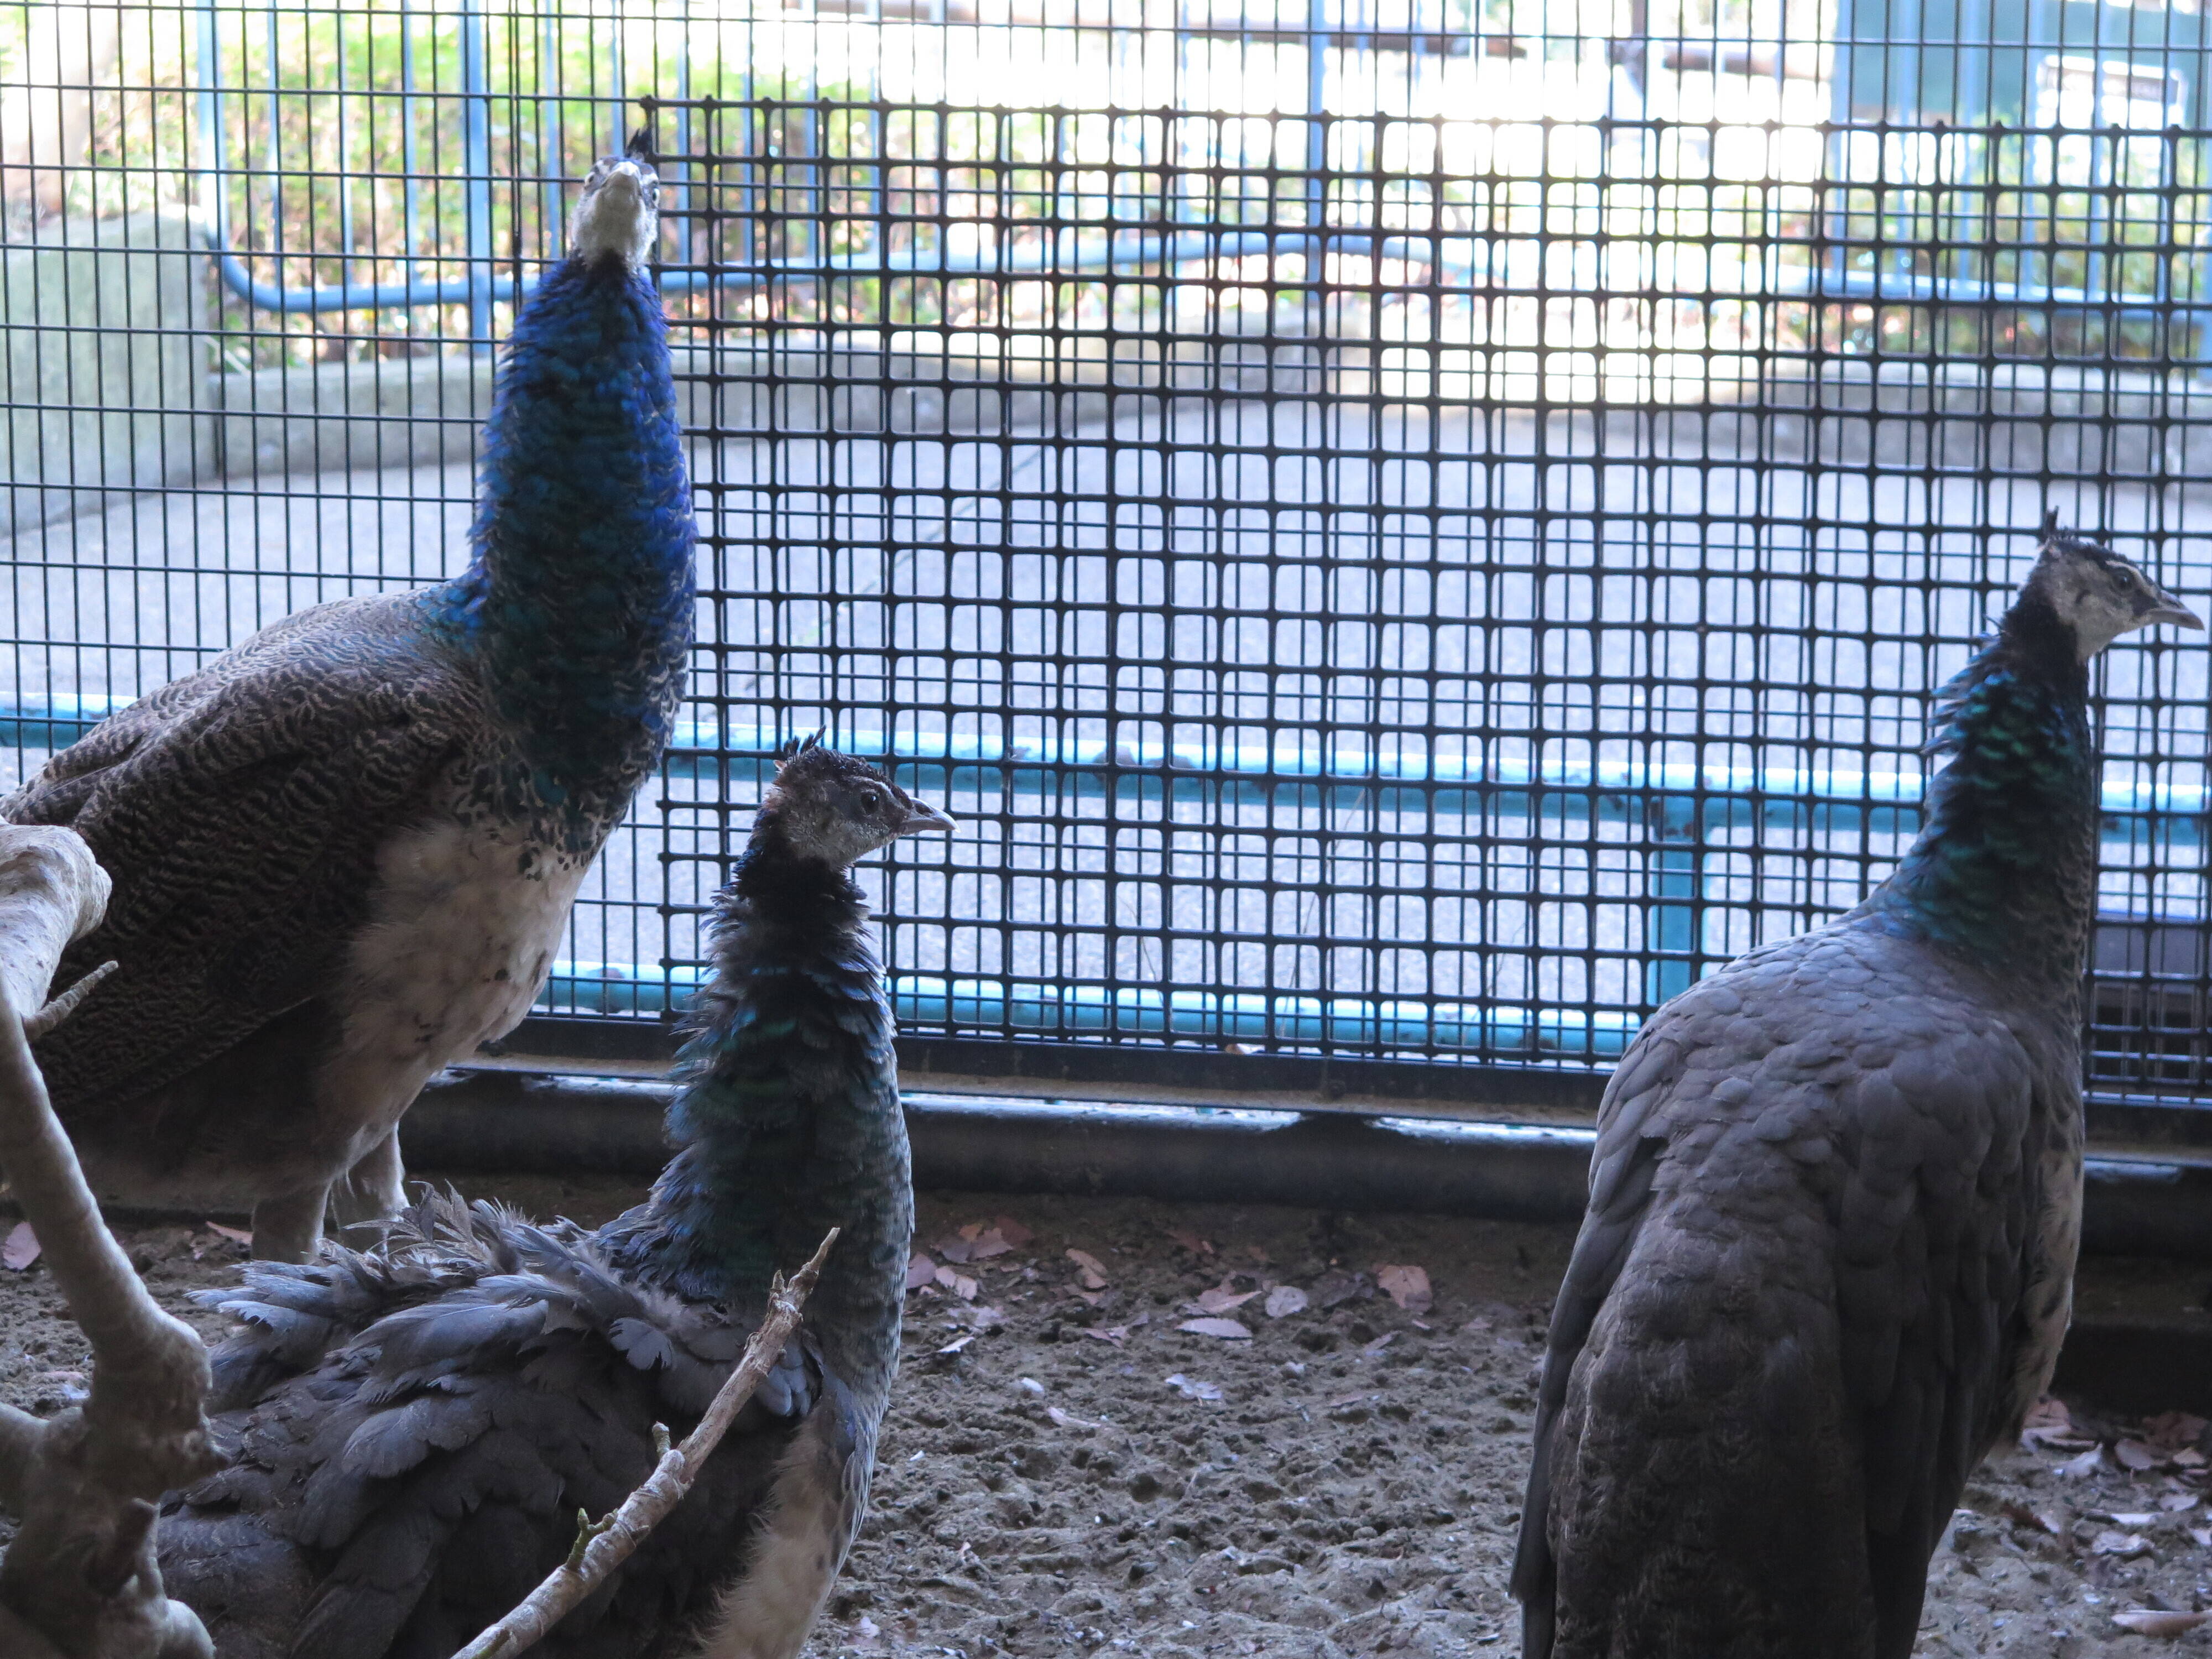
{"points": [[1401, 533]]}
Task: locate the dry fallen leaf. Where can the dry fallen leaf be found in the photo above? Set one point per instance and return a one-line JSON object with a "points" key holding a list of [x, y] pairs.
{"points": [[2191, 1459], [987, 1245], [959, 1284], [1406, 1286], [2171, 1431], [1190, 1241], [2174, 1501], [1229, 1330], [2134, 1521], [1012, 1231], [1061, 1419], [22, 1248], [1089, 1269], [1338, 1287], [2088, 1464], [2049, 1423], [955, 1345], [1285, 1300], [1094, 1298], [2133, 1455], [1190, 1389], [235, 1235], [1114, 1333], [1346, 1402], [1376, 1347], [2203, 1536], [1221, 1298], [920, 1271], [2021, 1516], [2160, 1624], [2125, 1545]]}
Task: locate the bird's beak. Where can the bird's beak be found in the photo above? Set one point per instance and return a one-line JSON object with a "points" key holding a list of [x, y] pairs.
{"points": [[923, 819], [2171, 609]]}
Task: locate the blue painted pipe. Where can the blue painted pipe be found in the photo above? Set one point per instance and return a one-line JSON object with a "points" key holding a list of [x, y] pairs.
{"points": [[1545, 788], [1295, 1018]]}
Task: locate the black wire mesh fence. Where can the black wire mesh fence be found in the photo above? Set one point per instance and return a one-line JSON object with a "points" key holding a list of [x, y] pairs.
{"points": [[1404, 532]]}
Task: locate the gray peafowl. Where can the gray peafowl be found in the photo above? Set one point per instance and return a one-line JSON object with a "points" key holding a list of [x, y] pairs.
{"points": [[1829, 1250], [344, 852], [415, 1426]]}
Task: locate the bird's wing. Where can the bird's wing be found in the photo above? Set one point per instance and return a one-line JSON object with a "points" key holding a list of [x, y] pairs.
{"points": [[240, 812], [1631, 1132], [1847, 1083], [1940, 1192], [424, 1471]]}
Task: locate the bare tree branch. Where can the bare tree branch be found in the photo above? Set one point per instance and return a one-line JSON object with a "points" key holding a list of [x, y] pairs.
{"points": [[602, 1546], [81, 1572], [37, 1025]]}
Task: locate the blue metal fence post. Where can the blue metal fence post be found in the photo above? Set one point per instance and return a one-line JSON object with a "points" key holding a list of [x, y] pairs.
{"points": [[476, 158], [1670, 930], [212, 167], [1318, 39]]}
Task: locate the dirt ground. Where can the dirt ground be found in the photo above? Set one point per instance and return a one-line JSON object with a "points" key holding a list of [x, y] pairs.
{"points": [[1331, 1467]]}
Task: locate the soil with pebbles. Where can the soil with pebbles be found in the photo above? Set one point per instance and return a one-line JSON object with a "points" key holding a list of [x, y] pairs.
{"points": [[1067, 1470]]}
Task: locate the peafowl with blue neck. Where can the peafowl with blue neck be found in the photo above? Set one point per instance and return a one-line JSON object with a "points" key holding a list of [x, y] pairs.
{"points": [[344, 852], [1828, 1255], [416, 1425]]}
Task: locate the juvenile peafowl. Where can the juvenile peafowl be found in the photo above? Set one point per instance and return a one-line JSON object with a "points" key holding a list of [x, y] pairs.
{"points": [[344, 852], [416, 1425], [1828, 1255]]}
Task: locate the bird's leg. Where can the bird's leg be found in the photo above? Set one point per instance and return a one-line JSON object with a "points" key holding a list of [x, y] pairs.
{"points": [[374, 1189], [287, 1226]]}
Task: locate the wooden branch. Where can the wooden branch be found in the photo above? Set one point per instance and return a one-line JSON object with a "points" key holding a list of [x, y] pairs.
{"points": [[602, 1546], [82, 1569]]}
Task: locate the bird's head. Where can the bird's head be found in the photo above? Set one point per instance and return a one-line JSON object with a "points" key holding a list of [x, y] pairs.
{"points": [[619, 213], [830, 808], [2096, 594]]}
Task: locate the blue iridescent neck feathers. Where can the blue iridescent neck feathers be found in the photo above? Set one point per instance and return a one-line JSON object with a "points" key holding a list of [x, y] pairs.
{"points": [[2004, 868], [787, 1115], [578, 598]]}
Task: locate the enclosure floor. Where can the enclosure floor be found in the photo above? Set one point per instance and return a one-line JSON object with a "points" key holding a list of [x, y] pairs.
{"points": [[1354, 1489]]}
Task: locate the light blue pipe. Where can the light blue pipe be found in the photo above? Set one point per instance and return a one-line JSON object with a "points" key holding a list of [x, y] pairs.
{"points": [[1293, 1020], [1125, 250], [706, 748]]}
